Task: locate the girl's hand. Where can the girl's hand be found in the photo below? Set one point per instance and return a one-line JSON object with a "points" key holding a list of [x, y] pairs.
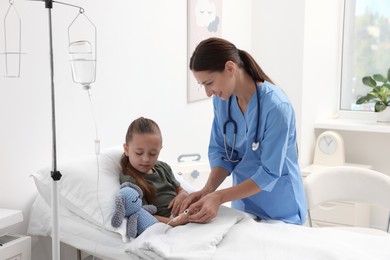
{"points": [[175, 204], [173, 222], [179, 220]]}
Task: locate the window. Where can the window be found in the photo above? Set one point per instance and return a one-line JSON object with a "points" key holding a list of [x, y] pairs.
{"points": [[366, 48]]}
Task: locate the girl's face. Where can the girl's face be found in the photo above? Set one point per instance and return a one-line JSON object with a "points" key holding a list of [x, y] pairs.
{"points": [[143, 151], [220, 84]]}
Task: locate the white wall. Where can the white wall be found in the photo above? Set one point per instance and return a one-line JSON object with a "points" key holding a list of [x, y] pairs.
{"points": [[142, 71], [321, 68]]}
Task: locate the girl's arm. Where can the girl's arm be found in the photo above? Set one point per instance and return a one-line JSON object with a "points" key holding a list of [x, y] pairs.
{"points": [[162, 219], [182, 220]]}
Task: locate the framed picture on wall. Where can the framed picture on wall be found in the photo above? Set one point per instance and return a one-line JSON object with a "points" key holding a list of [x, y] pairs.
{"points": [[204, 21]]}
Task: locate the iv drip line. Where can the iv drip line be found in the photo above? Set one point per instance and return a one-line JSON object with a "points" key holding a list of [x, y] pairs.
{"points": [[97, 140], [97, 151]]}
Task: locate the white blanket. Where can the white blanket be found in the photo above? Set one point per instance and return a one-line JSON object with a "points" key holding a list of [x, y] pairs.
{"points": [[234, 235], [277, 241], [191, 241]]}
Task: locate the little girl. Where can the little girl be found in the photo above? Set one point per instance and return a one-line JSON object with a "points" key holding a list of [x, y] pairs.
{"points": [[140, 166]]}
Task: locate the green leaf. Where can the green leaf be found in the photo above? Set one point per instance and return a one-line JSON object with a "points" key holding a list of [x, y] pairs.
{"points": [[362, 100], [376, 89], [384, 94], [366, 98], [388, 74], [379, 106], [374, 94], [368, 81], [380, 78]]}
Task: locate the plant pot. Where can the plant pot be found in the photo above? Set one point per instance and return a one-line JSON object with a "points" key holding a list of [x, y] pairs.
{"points": [[383, 116]]}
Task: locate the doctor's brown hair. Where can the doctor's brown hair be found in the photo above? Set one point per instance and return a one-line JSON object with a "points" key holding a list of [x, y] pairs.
{"points": [[213, 53], [140, 126]]}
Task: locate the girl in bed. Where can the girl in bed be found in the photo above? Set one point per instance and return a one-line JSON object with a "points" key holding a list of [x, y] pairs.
{"points": [[141, 166]]}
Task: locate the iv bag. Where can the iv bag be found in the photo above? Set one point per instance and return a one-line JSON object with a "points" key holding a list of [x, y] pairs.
{"points": [[82, 63]]}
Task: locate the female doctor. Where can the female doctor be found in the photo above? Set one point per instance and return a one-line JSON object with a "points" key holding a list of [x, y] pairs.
{"points": [[253, 137]]}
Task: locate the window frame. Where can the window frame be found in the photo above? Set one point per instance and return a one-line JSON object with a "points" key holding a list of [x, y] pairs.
{"points": [[346, 95]]}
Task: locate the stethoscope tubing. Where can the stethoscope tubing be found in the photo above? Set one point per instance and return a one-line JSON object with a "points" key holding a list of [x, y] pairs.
{"points": [[255, 144]]}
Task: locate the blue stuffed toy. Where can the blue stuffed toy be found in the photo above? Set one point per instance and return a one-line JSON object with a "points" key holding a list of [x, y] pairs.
{"points": [[128, 204]]}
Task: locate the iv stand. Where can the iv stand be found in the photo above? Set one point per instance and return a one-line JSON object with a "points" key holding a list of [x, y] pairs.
{"points": [[55, 174]]}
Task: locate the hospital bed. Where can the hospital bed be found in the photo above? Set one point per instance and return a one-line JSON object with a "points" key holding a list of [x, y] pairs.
{"points": [[87, 190]]}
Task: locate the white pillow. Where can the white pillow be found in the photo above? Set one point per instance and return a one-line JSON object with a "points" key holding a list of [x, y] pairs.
{"points": [[87, 190], [84, 188]]}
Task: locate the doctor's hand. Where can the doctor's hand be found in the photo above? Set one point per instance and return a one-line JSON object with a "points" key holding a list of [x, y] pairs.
{"points": [[205, 209], [191, 198]]}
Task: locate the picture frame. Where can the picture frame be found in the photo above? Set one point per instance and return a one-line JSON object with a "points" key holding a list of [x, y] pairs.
{"points": [[203, 21]]}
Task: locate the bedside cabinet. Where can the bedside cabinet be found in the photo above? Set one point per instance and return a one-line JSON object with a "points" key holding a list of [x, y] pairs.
{"points": [[15, 247], [9, 217], [338, 213]]}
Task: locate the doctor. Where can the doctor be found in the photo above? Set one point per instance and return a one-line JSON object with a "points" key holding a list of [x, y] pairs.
{"points": [[253, 137]]}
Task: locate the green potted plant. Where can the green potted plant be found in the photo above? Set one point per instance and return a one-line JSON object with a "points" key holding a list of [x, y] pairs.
{"points": [[379, 92]]}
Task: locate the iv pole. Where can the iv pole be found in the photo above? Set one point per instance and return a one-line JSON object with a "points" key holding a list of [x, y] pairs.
{"points": [[55, 174]]}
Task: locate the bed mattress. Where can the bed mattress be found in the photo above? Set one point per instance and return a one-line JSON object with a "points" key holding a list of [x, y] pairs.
{"points": [[231, 235], [77, 232]]}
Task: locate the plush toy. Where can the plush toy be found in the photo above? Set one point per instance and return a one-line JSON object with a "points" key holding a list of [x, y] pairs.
{"points": [[128, 204]]}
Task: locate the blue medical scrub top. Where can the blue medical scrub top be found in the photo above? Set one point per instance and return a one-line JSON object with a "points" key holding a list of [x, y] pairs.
{"points": [[274, 166]]}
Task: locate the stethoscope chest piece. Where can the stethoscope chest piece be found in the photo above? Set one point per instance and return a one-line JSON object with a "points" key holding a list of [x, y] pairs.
{"points": [[255, 146]]}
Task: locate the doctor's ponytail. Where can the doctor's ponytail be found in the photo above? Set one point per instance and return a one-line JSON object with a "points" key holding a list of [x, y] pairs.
{"points": [[212, 54], [252, 67]]}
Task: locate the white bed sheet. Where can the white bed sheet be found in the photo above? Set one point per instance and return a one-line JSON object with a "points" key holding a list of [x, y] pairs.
{"points": [[232, 235], [77, 232]]}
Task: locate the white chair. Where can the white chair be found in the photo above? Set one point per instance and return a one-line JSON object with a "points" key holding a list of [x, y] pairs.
{"points": [[352, 184]]}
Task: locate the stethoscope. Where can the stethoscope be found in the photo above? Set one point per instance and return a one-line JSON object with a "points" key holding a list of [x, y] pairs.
{"points": [[230, 120]]}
